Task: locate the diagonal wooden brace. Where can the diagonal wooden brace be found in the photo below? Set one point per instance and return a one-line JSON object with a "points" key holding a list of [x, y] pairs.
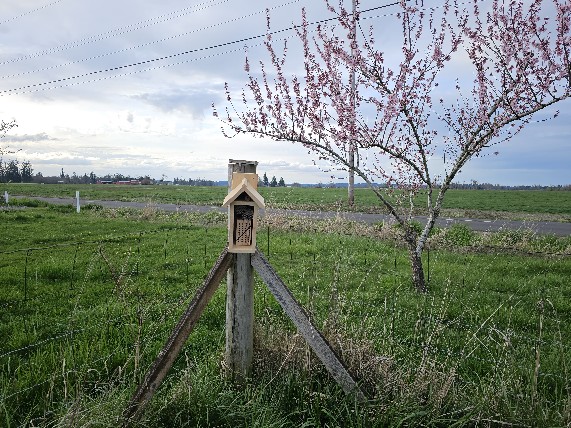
{"points": [[174, 344], [305, 327]]}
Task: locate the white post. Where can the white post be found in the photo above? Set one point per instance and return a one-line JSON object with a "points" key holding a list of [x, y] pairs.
{"points": [[77, 200], [6, 196]]}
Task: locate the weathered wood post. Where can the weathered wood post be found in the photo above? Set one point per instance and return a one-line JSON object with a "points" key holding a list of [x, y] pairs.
{"points": [[77, 206], [239, 259], [239, 298], [6, 197]]}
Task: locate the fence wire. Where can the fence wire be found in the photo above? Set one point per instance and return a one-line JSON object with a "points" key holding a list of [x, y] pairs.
{"points": [[81, 318]]}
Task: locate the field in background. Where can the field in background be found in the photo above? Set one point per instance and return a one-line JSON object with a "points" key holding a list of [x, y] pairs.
{"points": [[543, 204], [87, 300]]}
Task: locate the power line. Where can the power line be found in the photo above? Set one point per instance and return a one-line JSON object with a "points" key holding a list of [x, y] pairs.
{"points": [[121, 30], [30, 12], [34, 86], [150, 43], [131, 73], [121, 67]]}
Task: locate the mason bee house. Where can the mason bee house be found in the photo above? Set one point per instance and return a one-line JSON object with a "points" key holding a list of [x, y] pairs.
{"points": [[243, 202]]}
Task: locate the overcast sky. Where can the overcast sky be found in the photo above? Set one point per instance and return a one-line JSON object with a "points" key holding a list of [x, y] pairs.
{"points": [[155, 118]]}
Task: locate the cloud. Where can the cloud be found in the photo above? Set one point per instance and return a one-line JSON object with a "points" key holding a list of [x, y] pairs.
{"points": [[189, 100], [287, 165], [153, 117], [42, 136]]}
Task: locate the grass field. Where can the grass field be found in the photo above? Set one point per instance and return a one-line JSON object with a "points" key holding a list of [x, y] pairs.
{"points": [[87, 300], [550, 205]]}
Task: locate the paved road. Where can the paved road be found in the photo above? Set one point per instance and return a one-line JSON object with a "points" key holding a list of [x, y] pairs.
{"points": [[543, 227]]}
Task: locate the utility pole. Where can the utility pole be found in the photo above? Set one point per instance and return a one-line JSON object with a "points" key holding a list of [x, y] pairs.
{"points": [[352, 146]]}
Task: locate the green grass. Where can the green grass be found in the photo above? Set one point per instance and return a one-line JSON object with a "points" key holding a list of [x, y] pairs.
{"points": [[520, 201], [87, 301], [491, 202]]}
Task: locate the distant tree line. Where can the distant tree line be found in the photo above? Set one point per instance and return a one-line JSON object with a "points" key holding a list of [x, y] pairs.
{"points": [[13, 171], [194, 182], [271, 183], [90, 178]]}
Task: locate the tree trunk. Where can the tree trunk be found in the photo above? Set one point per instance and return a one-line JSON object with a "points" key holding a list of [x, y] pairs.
{"points": [[417, 270]]}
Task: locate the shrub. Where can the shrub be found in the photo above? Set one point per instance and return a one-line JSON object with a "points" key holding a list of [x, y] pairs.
{"points": [[68, 208], [549, 244], [511, 238], [460, 235], [415, 225], [25, 202]]}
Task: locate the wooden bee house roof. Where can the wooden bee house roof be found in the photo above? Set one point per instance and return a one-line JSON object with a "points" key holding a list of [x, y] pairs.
{"points": [[246, 187]]}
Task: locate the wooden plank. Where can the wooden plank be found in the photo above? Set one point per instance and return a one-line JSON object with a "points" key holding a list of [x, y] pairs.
{"points": [[174, 344], [305, 327], [240, 319], [239, 297], [237, 178]]}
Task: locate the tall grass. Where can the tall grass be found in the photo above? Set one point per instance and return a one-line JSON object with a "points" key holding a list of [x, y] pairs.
{"points": [[88, 300]]}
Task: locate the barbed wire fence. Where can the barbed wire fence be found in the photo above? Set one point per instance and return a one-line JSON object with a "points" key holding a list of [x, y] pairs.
{"points": [[81, 318]]}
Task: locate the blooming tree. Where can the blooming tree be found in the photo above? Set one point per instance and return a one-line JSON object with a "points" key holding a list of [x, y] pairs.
{"points": [[401, 114], [5, 127]]}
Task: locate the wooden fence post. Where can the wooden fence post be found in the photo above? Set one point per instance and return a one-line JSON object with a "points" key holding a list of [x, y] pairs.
{"points": [[239, 300]]}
